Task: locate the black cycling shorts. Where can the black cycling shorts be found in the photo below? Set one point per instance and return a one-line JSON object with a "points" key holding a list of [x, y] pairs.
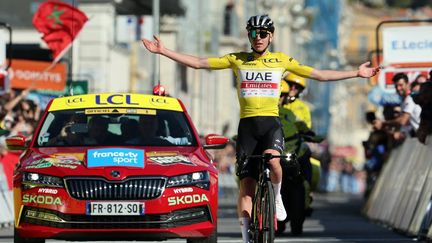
{"points": [[256, 134]]}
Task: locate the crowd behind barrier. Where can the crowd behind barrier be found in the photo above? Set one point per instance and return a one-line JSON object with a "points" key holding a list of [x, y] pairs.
{"points": [[402, 194], [411, 118], [18, 115]]}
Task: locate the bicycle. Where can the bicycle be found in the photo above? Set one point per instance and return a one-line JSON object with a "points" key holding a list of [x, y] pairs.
{"points": [[263, 218]]}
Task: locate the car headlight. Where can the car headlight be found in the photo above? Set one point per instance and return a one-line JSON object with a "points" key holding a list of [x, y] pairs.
{"points": [[31, 180], [199, 179]]}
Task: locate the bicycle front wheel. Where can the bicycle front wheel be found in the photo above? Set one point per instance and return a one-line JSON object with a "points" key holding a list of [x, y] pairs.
{"points": [[267, 214]]}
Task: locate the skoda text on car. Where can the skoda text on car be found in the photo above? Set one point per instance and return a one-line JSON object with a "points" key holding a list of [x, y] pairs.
{"points": [[115, 166]]}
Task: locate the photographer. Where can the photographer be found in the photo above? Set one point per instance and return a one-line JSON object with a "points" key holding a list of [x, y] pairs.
{"points": [[66, 136]]}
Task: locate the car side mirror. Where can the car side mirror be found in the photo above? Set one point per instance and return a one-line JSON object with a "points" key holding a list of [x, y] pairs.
{"points": [[215, 141], [17, 142]]}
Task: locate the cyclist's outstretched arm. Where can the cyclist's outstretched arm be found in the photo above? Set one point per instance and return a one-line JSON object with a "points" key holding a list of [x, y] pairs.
{"points": [[364, 71], [157, 47]]}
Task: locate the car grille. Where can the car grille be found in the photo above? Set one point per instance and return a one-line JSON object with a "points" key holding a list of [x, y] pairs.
{"points": [[149, 221], [101, 189]]}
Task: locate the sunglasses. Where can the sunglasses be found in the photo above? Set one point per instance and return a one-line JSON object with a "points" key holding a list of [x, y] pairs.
{"points": [[262, 34]]}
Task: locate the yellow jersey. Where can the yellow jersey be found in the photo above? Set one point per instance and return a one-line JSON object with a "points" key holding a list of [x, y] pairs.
{"points": [[302, 114], [258, 79], [295, 118]]}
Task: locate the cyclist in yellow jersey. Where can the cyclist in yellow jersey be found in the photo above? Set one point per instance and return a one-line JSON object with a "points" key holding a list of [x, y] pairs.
{"points": [[258, 76]]}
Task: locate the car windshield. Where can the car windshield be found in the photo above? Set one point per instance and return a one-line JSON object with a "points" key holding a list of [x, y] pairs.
{"points": [[115, 127]]}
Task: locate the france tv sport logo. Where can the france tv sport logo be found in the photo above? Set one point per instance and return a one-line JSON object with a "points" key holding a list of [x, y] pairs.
{"points": [[115, 157]]}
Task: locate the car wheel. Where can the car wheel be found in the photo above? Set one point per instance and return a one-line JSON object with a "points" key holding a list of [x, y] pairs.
{"points": [[19, 239], [211, 239]]}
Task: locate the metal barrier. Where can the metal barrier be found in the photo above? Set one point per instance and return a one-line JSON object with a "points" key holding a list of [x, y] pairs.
{"points": [[228, 189], [402, 194]]}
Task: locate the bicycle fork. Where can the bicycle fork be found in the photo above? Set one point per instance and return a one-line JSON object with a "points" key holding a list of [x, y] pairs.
{"points": [[267, 178]]}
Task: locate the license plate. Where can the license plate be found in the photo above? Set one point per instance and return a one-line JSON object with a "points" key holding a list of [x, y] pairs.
{"points": [[115, 208]]}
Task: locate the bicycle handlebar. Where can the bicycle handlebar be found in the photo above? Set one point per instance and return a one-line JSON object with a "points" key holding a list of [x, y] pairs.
{"points": [[244, 159], [268, 156]]}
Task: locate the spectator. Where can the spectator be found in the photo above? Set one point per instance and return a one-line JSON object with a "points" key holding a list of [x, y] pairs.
{"points": [[324, 157], [415, 87], [12, 122], [376, 154], [395, 136], [420, 78], [335, 175], [22, 126], [17, 115], [409, 120], [348, 181], [424, 99]]}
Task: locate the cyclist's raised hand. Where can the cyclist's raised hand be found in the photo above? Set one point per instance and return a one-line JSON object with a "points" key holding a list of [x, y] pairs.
{"points": [[365, 71], [155, 46]]}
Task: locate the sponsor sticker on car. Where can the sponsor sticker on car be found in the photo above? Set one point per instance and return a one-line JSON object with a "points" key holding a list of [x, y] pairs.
{"points": [[169, 160], [115, 101], [115, 157], [119, 111], [187, 199]]}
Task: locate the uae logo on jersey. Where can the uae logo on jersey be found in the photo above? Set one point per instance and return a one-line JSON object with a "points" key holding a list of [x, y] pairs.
{"points": [[260, 83]]}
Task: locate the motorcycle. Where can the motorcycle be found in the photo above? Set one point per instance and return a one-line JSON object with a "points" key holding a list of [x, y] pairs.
{"points": [[299, 179]]}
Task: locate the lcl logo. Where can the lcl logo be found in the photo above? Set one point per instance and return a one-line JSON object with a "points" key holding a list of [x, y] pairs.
{"points": [[159, 100], [74, 101], [115, 99], [271, 60]]}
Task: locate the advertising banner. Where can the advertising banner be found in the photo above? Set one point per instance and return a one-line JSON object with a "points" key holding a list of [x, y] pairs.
{"points": [[386, 75], [24, 73], [407, 44]]}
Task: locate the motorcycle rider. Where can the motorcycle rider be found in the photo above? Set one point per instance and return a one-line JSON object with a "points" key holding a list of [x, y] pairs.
{"points": [[296, 120]]}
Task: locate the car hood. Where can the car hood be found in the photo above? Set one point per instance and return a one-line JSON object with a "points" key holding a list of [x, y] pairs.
{"points": [[80, 161]]}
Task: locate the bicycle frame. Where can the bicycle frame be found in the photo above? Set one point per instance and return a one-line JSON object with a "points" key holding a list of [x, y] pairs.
{"points": [[263, 218]]}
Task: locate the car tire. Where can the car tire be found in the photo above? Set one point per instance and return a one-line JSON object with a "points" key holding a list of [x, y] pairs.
{"points": [[19, 239], [210, 239]]}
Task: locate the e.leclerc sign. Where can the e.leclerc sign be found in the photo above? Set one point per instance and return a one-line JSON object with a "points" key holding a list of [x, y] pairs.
{"points": [[407, 44]]}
